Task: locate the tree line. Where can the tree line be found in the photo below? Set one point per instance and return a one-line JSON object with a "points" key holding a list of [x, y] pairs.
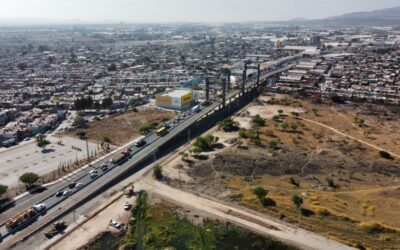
{"points": [[83, 103]]}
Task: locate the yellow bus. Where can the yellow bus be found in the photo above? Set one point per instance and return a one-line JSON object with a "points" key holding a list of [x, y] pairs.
{"points": [[162, 131]]}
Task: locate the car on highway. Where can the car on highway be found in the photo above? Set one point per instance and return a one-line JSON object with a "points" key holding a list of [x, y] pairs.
{"points": [[139, 142], [58, 194], [67, 193], [127, 206], [104, 167], [79, 185], [72, 184], [93, 173], [167, 125], [40, 207], [115, 224]]}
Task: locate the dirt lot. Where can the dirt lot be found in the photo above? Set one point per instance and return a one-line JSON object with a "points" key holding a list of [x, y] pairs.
{"points": [[344, 183], [122, 128]]}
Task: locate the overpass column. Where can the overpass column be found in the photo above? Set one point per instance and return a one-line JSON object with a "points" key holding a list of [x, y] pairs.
{"points": [[244, 78], [229, 82], [223, 91], [207, 88], [258, 74]]}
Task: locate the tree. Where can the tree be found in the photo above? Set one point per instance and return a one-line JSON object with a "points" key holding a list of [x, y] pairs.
{"points": [[285, 126], [183, 155], [29, 178], [206, 142], [386, 155], [157, 173], [3, 189], [43, 143], [83, 103], [293, 126], [164, 118], [294, 182], [330, 182], [196, 151], [79, 122], [112, 67], [273, 144], [229, 125], [107, 103], [107, 142], [82, 135], [260, 193], [22, 66], [295, 114], [258, 120], [336, 98], [297, 201], [146, 127]]}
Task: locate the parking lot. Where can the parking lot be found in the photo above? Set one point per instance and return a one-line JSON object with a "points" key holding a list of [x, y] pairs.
{"points": [[28, 157]]}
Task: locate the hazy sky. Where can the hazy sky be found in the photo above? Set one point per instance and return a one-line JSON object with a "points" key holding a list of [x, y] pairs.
{"points": [[183, 10]]}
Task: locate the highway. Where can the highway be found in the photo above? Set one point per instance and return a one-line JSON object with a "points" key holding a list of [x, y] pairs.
{"points": [[56, 206]]}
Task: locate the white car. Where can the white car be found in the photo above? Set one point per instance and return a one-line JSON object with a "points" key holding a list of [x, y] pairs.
{"points": [[67, 192], [79, 185], [127, 206], [115, 224], [40, 207], [93, 173]]}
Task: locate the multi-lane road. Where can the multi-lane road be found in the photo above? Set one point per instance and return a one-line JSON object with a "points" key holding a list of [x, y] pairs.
{"points": [[57, 206]]}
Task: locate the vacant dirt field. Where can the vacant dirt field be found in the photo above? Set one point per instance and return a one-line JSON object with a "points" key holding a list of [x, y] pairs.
{"points": [[350, 193], [122, 128]]}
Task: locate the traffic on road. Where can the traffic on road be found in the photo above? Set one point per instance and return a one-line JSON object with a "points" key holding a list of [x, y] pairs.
{"points": [[98, 171]]}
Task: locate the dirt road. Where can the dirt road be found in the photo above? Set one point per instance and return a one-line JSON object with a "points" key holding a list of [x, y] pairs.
{"points": [[348, 136], [242, 217]]}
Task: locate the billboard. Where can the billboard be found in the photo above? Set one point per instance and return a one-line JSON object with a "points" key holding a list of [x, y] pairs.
{"points": [[186, 99]]}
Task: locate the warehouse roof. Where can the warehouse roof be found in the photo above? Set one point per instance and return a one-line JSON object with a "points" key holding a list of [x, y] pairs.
{"points": [[177, 92]]}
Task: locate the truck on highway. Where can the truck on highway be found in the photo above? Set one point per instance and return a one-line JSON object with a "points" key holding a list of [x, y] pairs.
{"points": [[24, 216], [119, 157]]}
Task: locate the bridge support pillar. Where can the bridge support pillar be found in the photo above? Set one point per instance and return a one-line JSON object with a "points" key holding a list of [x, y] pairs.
{"points": [[223, 92], [228, 82], [207, 88], [244, 77]]}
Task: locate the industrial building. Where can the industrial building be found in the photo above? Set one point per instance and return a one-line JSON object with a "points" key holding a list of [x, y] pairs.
{"points": [[178, 99]]}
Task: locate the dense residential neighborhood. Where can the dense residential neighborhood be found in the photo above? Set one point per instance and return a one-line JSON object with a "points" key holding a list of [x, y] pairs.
{"points": [[41, 78]]}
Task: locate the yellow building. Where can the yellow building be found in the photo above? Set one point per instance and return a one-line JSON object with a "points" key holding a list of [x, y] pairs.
{"points": [[178, 99]]}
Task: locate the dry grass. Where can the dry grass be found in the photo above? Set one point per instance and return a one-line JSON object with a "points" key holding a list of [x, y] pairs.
{"points": [[121, 128], [364, 200]]}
